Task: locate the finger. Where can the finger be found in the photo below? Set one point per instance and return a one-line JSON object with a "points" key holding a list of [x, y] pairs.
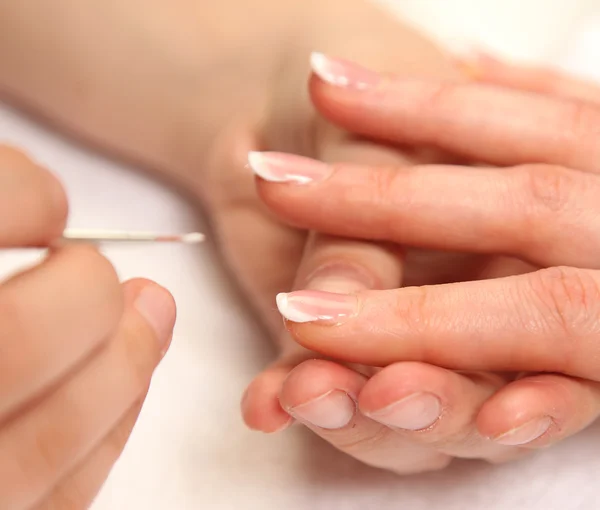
{"points": [[51, 318], [39, 447], [474, 120], [541, 80], [80, 487], [432, 406], [328, 263], [539, 410], [322, 395], [33, 204], [546, 214], [543, 321], [333, 264]]}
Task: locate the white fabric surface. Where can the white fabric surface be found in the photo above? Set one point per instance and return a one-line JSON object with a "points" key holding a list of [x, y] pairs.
{"points": [[190, 449]]}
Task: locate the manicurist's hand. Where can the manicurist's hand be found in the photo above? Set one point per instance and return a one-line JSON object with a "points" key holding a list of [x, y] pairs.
{"points": [[78, 350]]}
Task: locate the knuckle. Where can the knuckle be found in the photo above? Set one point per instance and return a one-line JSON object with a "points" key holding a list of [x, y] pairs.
{"points": [[570, 299], [381, 181], [414, 309], [549, 189]]}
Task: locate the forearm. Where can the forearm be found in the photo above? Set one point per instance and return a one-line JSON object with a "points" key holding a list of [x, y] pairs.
{"points": [[157, 81], [105, 68]]}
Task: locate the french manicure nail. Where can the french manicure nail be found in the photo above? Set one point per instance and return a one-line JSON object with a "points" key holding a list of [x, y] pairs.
{"points": [[416, 412], [333, 410], [314, 305], [279, 167], [155, 304], [526, 433], [342, 73]]}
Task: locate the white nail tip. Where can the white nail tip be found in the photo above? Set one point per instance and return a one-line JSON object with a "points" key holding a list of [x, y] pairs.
{"points": [[321, 65], [290, 312], [260, 167]]}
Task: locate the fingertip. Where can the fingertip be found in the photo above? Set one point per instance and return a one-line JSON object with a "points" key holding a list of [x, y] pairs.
{"points": [[132, 287], [512, 406], [34, 197], [539, 410], [260, 407]]}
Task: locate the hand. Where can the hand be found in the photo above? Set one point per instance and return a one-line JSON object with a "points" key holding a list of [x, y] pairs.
{"points": [[544, 321], [163, 100], [78, 352]]}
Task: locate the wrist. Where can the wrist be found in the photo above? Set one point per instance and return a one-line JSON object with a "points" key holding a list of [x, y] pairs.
{"points": [[265, 102]]}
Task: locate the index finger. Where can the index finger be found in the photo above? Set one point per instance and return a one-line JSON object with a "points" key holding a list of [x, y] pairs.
{"points": [[33, 205], [546, 321], [476, 120]]}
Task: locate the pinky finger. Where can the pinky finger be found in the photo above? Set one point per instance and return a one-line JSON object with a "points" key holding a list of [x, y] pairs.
{"points": [[79, 489], [541, 80], [539, 410]]}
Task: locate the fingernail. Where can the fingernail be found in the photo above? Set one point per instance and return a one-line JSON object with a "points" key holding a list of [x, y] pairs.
{"points": [[342, 73], [339, 278], [526, 433], [314, 305], [279, 167], [415, 412], [333, 410], [156, 305]]}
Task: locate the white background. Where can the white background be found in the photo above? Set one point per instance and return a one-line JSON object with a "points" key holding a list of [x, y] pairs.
{"points": [[190, 449]]}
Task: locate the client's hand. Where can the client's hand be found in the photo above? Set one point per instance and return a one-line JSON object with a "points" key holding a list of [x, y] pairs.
{"points": [[77, 351], [539, 203]]}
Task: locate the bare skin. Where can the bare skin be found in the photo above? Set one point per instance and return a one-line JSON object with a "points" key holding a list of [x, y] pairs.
{"points": [[78, 351], [542, 322], [167, 87]]}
